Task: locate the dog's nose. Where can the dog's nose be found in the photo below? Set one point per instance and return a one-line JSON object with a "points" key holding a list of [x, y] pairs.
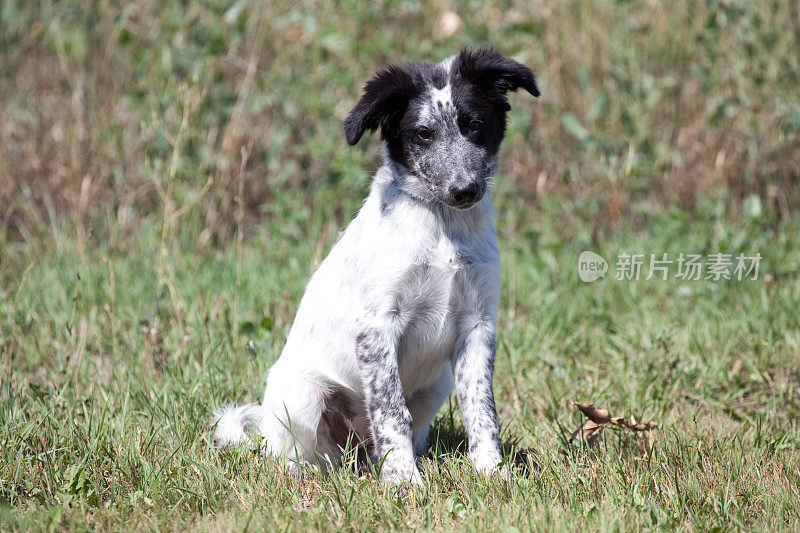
{"points": [[466, 194]]}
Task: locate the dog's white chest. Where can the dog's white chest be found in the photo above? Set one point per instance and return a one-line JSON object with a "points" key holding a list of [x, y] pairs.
{"points": [[434, 301], [419, 273]]}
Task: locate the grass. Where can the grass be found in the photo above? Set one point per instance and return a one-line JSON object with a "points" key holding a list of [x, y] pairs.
{"points": [[107, 394], [171, 175]]}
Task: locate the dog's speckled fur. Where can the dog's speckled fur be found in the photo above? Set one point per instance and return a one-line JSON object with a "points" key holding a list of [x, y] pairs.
{"points": [[405, 303]]}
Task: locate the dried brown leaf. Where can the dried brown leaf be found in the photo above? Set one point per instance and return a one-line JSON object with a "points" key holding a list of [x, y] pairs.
{"points": [[591, 430], [595, 414]]}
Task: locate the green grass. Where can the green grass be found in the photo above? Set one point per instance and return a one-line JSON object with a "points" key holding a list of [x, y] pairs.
{"points": [[172, 173], [107, 394]]}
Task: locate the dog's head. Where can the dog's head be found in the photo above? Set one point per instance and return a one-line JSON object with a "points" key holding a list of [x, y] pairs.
{"points": [[442, 124]]}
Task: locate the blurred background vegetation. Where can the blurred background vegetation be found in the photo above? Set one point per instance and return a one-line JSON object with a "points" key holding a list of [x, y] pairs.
{"points": [[172, 172], [115, 113]]}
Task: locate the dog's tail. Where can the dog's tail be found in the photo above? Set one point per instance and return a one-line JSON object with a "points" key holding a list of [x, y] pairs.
{"points": [[235, 424]]}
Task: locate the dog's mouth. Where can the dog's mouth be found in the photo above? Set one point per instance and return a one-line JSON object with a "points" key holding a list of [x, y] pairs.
{"points": [[465, 206]]}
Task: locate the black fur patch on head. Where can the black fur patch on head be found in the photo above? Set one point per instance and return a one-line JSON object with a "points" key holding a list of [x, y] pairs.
{"points": [[384, 101], [494, 74], [396, 99]]}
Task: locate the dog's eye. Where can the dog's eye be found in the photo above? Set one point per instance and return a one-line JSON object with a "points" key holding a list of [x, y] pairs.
{"points": [[475, 125], [424, 134]]}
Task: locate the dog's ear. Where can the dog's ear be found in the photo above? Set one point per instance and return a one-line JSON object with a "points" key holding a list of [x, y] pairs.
{"points": [[385, 98], [495, 74]]}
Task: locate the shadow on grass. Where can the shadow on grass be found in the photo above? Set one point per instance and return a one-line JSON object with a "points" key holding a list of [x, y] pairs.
{"points": [[448, 438]]}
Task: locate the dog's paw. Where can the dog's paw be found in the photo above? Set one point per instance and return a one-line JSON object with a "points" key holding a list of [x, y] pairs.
{"points": [[402, 479], [488, 463]]}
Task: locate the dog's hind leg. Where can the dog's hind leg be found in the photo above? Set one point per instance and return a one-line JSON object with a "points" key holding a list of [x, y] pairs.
{"points": [[293, 405]]}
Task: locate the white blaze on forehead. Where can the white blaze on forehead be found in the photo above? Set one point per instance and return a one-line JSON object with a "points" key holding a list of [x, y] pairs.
{"points": [[441, 97], [447, 64], [439, 107], [441, 100]]}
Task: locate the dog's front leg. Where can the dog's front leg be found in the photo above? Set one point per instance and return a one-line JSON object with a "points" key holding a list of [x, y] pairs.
{"points": [[473, 367], [389, 418]]}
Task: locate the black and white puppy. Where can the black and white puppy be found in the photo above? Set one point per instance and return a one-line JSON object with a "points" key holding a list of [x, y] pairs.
{"points": [[404, 306]]}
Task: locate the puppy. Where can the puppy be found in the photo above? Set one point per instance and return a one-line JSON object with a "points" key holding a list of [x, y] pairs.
{"points": [[404, 306]]}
